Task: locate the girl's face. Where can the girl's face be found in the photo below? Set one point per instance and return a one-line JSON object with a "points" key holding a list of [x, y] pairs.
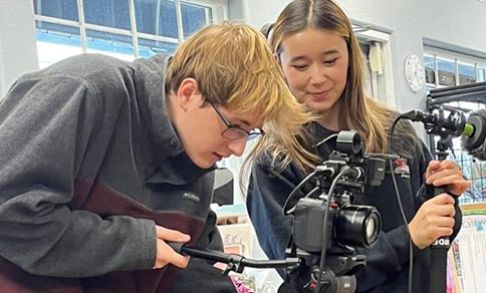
{"points": [[315, 64]]}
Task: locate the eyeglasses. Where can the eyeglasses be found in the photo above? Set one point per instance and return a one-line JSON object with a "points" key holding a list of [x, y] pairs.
{"points": [[234, 132]]}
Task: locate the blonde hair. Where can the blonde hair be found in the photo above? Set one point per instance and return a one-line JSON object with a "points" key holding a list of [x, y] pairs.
{"points": [[370, 118], [235, 68]]}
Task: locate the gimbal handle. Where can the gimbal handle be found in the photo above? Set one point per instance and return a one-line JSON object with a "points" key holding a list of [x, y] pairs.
{"points": [[234, 262]]}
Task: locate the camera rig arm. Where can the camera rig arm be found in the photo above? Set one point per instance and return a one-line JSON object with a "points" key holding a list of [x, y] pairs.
{"points": [[234, 262]]}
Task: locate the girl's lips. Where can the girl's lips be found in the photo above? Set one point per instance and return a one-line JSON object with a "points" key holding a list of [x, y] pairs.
{"points": [[318, 96]]}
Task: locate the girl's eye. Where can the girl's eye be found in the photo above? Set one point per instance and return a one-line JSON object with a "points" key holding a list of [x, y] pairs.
{"points": [[300, 66], [330, 62]]}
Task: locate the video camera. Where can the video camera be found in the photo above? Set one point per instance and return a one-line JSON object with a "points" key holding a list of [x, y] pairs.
{"points": [[327, 228], [327, 225]]}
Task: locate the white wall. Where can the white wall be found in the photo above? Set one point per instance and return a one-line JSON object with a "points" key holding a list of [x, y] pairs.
{"points": [[18, 53], [459, 23]]}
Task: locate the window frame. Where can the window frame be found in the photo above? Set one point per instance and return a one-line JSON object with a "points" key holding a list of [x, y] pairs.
{"points": [[219, 11], [382, 86], [458, 58]]}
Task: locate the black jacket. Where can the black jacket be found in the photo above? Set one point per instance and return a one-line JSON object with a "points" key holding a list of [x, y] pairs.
{"points": [[388, 260]]}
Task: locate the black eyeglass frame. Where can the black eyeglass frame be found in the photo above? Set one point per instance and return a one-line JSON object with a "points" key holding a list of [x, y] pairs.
{"points": [[233, 131]]}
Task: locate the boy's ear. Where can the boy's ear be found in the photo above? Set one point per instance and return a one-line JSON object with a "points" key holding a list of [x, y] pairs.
{"points": [[186, 93]]}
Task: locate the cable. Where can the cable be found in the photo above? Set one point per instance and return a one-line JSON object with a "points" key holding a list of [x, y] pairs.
{"points": [[292, 194], [326, 211], [325, 140], [402, 211], [286, 209]]}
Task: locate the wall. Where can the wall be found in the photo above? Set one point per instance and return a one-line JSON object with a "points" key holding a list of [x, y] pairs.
{"points": [[410, 21], [459, 23], [18, 52]]}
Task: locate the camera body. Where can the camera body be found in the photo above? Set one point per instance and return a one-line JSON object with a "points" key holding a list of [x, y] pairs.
{"points": [[327, 223], [348, 224]]}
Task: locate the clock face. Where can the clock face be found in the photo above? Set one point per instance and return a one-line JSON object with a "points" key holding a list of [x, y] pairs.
{"points": [[414, 72]]}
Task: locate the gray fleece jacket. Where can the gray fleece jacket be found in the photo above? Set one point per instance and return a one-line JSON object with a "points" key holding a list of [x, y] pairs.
{"points": [[89, 162]]}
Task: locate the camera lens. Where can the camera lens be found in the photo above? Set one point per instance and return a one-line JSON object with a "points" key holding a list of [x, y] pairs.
{"points": [[357, 225], [372, 228]]}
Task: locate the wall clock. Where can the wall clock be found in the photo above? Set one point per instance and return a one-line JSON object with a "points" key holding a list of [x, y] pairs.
{"points": [[414, 72]]}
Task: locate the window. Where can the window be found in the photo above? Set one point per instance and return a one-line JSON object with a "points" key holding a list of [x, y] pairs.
{"points": [[122, 28], [429, 65], [481, 74], [447, 71], [446, 68], [467, 73]]}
